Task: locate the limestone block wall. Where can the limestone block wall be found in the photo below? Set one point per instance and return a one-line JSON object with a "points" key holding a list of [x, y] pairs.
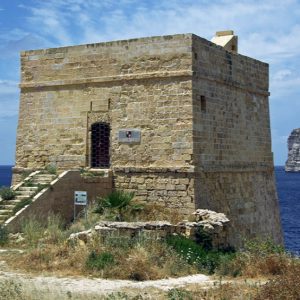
{"points": [[231, 109], [142, 83], [173, 187], [59, 198], [232, 141], [247, 197]]}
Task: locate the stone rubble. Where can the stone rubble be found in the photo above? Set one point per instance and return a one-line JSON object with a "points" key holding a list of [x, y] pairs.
{"points": [[209, 220]]}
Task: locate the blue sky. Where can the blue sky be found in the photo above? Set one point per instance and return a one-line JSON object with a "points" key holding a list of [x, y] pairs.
{"points": [[268, 31]]}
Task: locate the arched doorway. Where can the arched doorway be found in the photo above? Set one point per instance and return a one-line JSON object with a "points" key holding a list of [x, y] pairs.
{"points": [[100, 145]]}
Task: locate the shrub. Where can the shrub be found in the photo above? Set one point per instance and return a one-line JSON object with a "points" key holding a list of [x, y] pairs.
{"points": [[3, 235], [54, 228], [200, 254], [7, 193], [117, 200], [179, 294], [51, 169], [262, 246], [100, 261], [261, 257], [25, 174], [33, 230], [285, 286]]}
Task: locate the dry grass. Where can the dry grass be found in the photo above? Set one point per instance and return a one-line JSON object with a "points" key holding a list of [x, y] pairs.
{"points": [[140, 258], [46, 252], [157, 212]]}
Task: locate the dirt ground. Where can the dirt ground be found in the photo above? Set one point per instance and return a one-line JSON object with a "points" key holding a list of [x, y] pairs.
{"points": [[102, 287]]}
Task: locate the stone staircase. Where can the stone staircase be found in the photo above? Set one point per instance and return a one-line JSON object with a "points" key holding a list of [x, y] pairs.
{"points": [[25, 190]]}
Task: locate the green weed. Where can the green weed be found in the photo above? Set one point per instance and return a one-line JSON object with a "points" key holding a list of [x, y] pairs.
{"points": [[179, 294], [7, 193], [3, 235], [33, 230], [51, 169], [100, 261], [25, 174], [202, 256], [262, 246], [21, 204]]}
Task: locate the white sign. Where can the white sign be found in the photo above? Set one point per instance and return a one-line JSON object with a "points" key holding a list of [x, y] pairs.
{"points": [[80, 198], [129, 135]]}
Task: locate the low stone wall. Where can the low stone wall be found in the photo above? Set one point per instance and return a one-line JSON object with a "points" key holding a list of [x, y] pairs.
{"points": [[212, 222]]}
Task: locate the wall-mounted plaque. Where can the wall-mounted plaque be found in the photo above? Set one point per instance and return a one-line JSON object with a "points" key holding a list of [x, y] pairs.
{"points": [[129, 135]]}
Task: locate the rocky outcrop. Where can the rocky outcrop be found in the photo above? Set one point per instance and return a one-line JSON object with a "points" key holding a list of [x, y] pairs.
{"points": [[293, 162]]}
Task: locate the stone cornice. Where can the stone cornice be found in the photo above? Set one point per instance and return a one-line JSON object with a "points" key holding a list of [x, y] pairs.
{"points": [[141, 76]]}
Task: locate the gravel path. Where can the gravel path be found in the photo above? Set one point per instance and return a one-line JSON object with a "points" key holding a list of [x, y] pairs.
{"points": [[104, 286]]}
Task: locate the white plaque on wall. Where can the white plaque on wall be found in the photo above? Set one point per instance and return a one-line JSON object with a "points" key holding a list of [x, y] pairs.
{"points": [[129, 135]]}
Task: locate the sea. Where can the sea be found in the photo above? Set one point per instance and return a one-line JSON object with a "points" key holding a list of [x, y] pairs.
{"points": [[288, 189]]}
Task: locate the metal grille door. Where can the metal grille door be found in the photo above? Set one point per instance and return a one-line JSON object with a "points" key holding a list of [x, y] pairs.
{"points": [[100, 145]]}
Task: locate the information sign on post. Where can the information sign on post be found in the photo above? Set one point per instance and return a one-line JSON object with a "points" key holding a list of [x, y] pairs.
{"points": [[80, 198]]}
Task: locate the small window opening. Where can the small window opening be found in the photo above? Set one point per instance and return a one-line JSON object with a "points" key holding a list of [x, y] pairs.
{"points": [[203, 103], [196, 55], [233, 48]]}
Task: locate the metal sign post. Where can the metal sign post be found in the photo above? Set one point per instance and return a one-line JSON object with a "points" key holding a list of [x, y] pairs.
{"points": [[80, 198]]}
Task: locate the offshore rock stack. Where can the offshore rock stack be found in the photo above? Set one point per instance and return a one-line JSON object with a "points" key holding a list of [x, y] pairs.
{"points": [[293, 162]]}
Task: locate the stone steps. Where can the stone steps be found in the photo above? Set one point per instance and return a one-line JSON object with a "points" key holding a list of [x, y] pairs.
{"points": [[3, 212], [7, 207], [22, 192], [27, 188], [12, 202]]}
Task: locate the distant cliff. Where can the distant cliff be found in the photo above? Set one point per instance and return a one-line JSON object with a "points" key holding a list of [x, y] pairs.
{"points": [[293, 162]]}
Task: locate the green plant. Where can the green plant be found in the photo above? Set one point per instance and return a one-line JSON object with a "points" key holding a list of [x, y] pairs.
{"points": [[10, 289], [33, 230], [122, 296], [87, 173], [117, 200], [100, 261], [54, 228], [260, 256], [179, 294], [262, 246], [25, 174], [7, 193], [3, 235], [28, 183], [51, 169], [21, 204], [41, 186], [202, 256]]}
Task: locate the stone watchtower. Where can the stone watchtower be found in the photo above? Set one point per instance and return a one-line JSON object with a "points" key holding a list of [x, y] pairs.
{"points": [[178, 119]]}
